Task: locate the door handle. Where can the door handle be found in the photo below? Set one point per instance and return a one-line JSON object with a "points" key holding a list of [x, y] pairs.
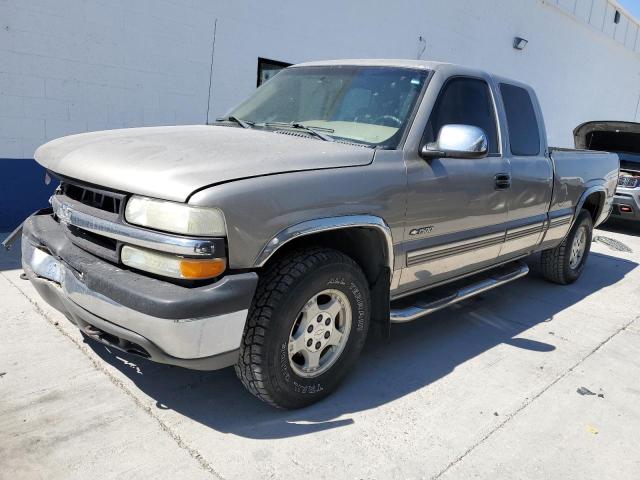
{"points": [[503, 181]]}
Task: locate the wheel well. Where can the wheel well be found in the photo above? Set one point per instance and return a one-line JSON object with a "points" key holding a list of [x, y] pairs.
{"points": [[593, 204], [366, 246]]}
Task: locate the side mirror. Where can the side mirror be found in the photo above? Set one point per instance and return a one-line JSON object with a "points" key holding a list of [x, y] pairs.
{"points": [[458, 141]]}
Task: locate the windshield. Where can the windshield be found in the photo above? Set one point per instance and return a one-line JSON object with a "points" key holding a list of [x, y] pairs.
{"points": [[369, 105]]}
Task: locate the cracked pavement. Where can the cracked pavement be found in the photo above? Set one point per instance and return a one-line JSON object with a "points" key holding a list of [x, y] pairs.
{"points": [[484, 389]]}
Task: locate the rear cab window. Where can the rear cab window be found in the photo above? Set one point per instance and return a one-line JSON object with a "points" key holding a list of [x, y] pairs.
{"points": [[522, 124]]}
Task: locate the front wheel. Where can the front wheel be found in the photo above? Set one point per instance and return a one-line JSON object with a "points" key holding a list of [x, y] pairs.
{"points": [[564, 263], [305, 329]]}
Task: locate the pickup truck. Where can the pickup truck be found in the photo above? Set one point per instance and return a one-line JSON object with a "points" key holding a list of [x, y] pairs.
{"points": [[341, 197]]}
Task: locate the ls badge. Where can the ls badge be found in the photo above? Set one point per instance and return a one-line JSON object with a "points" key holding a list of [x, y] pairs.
{"points": [[421, 230]]}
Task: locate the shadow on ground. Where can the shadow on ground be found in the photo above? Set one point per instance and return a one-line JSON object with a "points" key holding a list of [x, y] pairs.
{"points": [[417, 354], [621, 226]]}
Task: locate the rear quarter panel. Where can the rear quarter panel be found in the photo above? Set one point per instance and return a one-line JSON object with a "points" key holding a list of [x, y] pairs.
{"points": [[579, 173]]}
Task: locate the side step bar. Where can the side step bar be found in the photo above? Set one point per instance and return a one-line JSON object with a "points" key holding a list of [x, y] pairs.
{"points": [[431, 301]]}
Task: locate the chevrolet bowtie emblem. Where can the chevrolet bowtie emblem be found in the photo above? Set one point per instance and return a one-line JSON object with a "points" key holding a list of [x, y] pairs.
{"points": [[64, 213]]}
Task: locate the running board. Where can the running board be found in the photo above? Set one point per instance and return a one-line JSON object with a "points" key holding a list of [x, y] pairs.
{"points": [[430, 301]]}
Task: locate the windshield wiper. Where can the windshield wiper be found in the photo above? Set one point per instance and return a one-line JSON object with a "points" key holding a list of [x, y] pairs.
{"points": [[317, 131], [239, 121]]}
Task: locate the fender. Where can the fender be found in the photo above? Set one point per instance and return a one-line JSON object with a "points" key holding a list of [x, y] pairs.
{"points": [[310, 227]]}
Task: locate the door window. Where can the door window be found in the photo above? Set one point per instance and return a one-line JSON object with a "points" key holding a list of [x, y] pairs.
{"points": [[465, 101]]}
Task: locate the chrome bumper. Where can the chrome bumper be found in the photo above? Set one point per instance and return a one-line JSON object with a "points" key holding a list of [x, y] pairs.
{"points": [[205, 343]]}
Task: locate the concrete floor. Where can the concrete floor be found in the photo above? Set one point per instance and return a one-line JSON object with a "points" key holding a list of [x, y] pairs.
{"points": [[487, 389]]}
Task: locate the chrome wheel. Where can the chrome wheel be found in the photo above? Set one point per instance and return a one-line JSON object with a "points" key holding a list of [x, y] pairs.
{"points": [[319, 333], [578, 248]]}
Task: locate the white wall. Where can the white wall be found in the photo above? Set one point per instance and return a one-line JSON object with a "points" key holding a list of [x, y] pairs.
{"points": [[69, 66]]}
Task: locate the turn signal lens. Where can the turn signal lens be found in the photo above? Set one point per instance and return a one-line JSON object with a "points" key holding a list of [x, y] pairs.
{"points": [[198, 269], [171, 265]]}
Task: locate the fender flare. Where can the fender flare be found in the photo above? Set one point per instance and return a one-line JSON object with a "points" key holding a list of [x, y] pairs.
{"points": [[583, 198], [327, 224]]}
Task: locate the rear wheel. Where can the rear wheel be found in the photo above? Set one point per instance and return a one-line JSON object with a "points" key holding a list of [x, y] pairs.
{"points": [[306, 327], [564, 263]]}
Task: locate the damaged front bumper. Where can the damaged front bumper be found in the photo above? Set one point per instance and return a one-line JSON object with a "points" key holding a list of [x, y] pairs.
{"points": [[199, 328]]}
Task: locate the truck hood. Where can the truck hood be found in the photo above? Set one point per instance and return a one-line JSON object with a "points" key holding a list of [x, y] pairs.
{"points": [[172, 162]]}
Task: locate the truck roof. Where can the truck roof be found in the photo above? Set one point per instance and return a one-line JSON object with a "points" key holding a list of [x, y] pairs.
{"points": [[417, 64], [377, 62]]}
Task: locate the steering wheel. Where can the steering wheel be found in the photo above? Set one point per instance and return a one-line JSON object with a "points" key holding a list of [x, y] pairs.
{"points": [[383, 120]]}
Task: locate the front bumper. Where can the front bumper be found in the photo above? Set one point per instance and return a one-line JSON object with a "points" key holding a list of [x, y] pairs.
{"points": [[199, 328], [626, 197]]}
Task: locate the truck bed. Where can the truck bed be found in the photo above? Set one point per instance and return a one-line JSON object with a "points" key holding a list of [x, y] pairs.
{"points": [[577, 172]]}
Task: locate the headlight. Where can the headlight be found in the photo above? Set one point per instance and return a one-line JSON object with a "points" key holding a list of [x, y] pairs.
{"points": [[175, 217], [171, 265]]}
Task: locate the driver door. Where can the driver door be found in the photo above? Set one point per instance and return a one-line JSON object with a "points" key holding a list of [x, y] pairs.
{"points": [[457, 207]]}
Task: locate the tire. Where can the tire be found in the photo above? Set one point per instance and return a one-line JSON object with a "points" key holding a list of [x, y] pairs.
{"points": [[557, 263], [278, 326]]}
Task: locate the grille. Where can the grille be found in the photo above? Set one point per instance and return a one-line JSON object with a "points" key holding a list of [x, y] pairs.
{"points": [[95, 202], [100, 199], [98, 245], [628, 181]]}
